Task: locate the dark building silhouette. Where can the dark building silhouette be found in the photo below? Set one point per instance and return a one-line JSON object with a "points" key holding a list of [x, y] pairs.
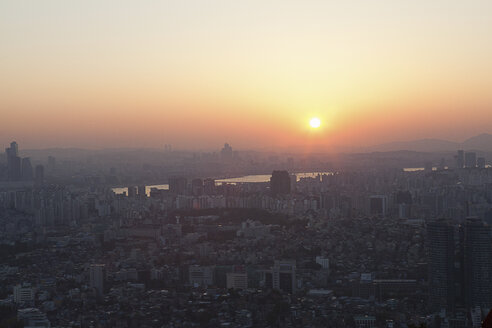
{"points": [[14, 168], [481, 162], [177, 185], [141, 191], [14, 148], [478, 264], [226, 152], [132, 191], [3, 172], [280, 183], [428, 166], [209, 186], [404, 197], [470, 159], [197, 187], [27, 174], [378, 205], [284, 276], [440, 236], [460, 159], [13, 162]]}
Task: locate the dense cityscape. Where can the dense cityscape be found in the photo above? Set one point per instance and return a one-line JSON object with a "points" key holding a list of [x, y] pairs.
{"points": [[243, 164], [380, 247]]}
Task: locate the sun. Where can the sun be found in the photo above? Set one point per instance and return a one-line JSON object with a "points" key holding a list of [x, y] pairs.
{"points": [[315, 122]]}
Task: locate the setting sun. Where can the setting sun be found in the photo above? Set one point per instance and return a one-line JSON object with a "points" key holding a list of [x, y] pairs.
{"points": [[315, 122]]}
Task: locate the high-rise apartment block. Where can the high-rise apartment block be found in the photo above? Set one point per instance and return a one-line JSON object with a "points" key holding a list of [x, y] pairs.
{"points": [[478, 264], [441, 250]]}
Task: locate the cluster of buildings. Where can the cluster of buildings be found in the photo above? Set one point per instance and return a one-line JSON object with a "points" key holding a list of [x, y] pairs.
{"points": [[452, 193], [238, 272], [460, 267], [469, 160], [372, 248], [19, 169]]}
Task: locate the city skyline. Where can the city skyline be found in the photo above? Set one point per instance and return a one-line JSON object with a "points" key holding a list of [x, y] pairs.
{"points": [[195, 74], [478, 142], [337, 247], [218, 163]]}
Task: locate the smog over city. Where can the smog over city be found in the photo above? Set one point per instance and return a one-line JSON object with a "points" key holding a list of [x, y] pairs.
{"points": [[211, 163]]}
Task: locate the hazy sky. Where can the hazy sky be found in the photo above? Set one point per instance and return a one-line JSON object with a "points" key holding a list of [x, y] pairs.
{"points": [[198, 73]]}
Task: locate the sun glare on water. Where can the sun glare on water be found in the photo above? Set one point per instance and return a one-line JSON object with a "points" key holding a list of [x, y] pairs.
{"points": [[315, 122]]}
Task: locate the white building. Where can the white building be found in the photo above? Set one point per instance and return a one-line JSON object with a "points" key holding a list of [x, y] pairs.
{"points": [[365, 321], [23, 293], [237, 280], [200, 275], [323, 261], [253, 229]]}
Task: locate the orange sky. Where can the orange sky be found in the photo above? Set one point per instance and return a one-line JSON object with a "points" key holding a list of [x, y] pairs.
{"points": [[195, 74]]}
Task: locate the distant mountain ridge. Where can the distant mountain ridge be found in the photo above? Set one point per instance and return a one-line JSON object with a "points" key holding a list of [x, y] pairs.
{"points": [[481, 142]]}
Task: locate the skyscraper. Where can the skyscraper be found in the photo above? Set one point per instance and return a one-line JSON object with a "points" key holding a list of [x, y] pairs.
{"points": [[280, 183], [13, 162], [478, 264], [226, 152], [14, 149], [440, 236]]}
